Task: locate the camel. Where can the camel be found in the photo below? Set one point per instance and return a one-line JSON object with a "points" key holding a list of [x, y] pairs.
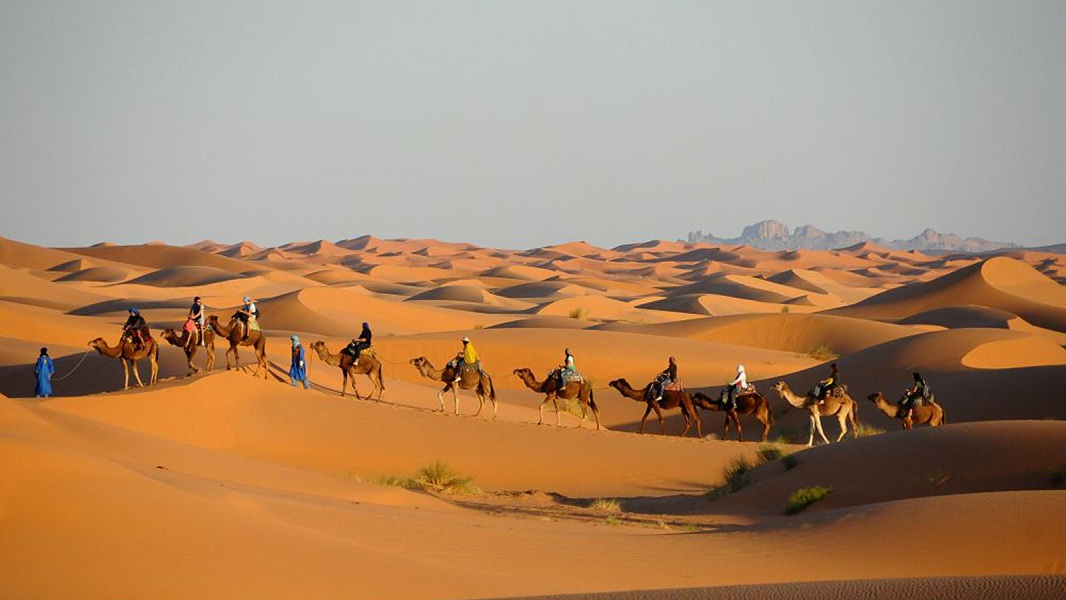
{"points": [[671, 400], [480, 382], [187, 342], [927, 413], [366, 365], [753, 403], [843, 408], [129, 355], [582, 391], [255, 339]]}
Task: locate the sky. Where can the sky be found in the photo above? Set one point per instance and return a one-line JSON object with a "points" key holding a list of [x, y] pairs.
{"points": [[522, 124]]}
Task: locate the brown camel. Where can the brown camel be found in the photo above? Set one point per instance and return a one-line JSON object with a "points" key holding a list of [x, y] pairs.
{"points": [[187, 342], [927, 413], [671, 399], [581, 391], [471, 378], [129, 355], [232, 333], [753, 403], [842, 407], [366, 365]]}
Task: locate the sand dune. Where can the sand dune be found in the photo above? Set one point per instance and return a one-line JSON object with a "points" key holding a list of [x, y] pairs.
{"points": [[1000, 282], [221, 485]]}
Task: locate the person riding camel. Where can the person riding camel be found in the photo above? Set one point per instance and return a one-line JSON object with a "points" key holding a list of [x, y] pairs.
{"points": [[920, 392], [136, 328], [566, 371], [736, 387], [826, 386], [667, 375], [360, 343], [248, 316], [467, 356], [196, 315]]}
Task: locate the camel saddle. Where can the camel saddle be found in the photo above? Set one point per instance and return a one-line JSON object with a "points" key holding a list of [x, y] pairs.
{"points": [[570, 376], [674, 386]]}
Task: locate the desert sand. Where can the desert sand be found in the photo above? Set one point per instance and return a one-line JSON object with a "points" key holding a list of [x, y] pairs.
{"points": [[221, 485]]}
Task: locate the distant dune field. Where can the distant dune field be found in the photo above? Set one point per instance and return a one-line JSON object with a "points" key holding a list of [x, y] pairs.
{"points": [[221, 485]]}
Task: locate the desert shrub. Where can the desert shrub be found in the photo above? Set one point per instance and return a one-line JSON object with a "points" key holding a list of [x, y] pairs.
{"points": [[579, 313], [864, 430], [612, 520], [606, 505], [736, 474], [822, 352], [770, 452], [804, 497], [789, 461], [1058, 476], [438, 477], [784, 310]]}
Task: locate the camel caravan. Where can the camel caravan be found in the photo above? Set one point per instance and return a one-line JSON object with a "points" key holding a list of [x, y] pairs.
{"points": [[562, 384]]}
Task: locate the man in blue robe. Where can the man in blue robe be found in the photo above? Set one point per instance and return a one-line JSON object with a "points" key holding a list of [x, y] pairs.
{"points": [[43, 371]]}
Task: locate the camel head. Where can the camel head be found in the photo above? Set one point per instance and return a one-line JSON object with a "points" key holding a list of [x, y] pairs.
{"points": [[523, 373], [96, 343], [318, 346], [779, 387], [620, 383], [874, 397], [418, 362]]}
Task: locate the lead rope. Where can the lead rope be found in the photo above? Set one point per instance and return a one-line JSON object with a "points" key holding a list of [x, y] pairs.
{"points": [[83, 357]]}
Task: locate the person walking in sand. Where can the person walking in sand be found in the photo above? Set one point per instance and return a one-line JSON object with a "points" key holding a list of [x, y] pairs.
{"points": [[298, 370], [43, 371]]}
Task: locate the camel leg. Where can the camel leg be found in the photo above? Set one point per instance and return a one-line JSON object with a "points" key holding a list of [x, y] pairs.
{"points": [[644, 419], [455, 397], [440, 396], [210, 357], [558, 417], [810, 440], [136, 373], [155, 370], [843, 419], [659, 413], [725, 426], [765, 429], [540, 409], [740, 430], [480, 400], [688, 423], [584, 415], [355, 388], [126, 374], [344, 382], [821, 430], [699, 424]]}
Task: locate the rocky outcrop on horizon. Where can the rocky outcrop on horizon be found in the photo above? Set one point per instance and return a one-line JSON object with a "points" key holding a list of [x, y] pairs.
{"points": [[774, 235]]}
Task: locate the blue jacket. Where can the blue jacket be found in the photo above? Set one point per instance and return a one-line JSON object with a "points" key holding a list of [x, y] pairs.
{"points": [[43, 371]]}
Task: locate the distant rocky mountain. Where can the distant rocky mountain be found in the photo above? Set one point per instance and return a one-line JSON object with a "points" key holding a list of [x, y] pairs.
{"points": [[774, 235]]}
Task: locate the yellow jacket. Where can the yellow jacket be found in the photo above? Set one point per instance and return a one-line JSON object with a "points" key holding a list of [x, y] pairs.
{"points": [[469, 354]]}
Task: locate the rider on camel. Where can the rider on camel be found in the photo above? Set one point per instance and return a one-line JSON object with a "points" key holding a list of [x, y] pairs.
{"points": [[136, 328], [737, 386], [360, 343], [919, 392], [825, 386], [668, 375], [567, 370], [196, 315], [467, 356], [249, 316]]}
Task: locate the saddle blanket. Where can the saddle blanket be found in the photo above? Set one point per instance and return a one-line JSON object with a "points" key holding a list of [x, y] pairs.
{"points": [[674, 386]]}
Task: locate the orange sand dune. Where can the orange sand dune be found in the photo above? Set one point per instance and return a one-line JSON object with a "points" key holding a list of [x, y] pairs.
{"points": [[1002, 283], [221, 485], [791, 332], [161, 257]]}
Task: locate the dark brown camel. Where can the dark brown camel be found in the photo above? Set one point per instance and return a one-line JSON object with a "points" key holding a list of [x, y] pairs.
{"points": [[471, 378], [232, 333], [754, 404], [366, 365], [581, 391], [927, 413], [671, 399], [187, 342], [129, 354]]}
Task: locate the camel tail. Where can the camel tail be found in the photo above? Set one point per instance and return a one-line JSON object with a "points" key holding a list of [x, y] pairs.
{"points": [[492, 389], [592, 400], [381, 380]]}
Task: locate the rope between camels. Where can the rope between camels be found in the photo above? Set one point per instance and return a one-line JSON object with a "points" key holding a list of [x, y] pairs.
{"points": [[83, 357]]}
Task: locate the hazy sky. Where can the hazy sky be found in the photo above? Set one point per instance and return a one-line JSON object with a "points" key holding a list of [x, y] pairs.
{"points": [[520, 124]]}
